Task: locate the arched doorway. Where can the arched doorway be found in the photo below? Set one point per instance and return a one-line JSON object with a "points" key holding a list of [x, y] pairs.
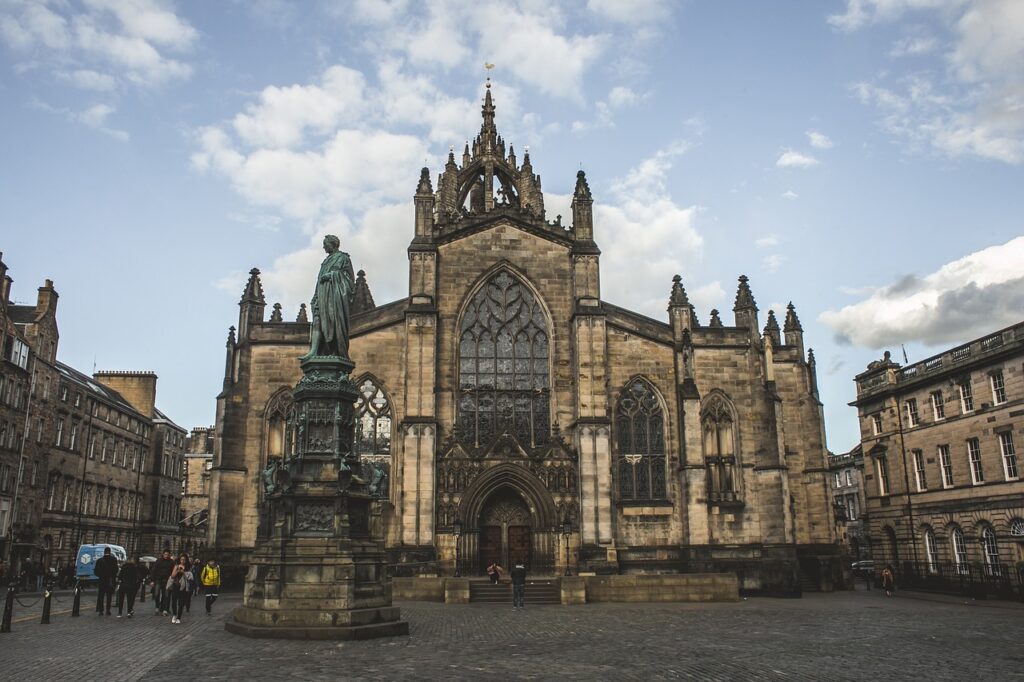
{"points": [[505, 529]]}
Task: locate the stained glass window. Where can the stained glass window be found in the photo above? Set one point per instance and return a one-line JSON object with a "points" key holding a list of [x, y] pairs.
{"points": [[503, 366], [373, 420], [719, 434], [640, 443]]}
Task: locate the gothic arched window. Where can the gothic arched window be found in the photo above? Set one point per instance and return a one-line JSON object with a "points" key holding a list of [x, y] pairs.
{"points": [[720, 456], [277, 423], [640, 443], [373, 420], [503, 366]]}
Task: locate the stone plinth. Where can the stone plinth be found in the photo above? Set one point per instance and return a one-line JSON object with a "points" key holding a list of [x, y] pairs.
{"points": [[320, 573]]}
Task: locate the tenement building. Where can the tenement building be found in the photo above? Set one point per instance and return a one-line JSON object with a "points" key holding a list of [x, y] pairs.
{"points": [[101, 463], [846, 480], [517, 412], [942, 476], [195, 501]]}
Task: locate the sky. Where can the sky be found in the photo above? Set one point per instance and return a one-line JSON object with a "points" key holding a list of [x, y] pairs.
{"points": [[863, 159]]}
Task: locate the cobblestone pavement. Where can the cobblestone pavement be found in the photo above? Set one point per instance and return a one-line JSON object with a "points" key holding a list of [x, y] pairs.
{"points": [[843, 636]]}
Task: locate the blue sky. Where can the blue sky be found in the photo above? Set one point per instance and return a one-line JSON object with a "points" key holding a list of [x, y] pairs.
{"points": [[862, 158]]}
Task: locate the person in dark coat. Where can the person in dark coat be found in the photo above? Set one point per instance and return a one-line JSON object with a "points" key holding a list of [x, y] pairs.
{"points": [[106, 572], [128, 585], [518, 574], [160, 572]]}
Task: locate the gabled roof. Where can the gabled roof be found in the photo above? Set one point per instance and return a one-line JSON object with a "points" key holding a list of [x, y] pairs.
{"points": [[159, 416], [96, 388]]}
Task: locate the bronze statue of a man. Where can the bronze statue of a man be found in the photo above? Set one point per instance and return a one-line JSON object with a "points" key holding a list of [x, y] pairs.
{"points": [[331, 302]]}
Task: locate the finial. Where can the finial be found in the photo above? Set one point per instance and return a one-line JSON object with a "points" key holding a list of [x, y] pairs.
{"points": [[231, 335], [582, 187], [744, 298], [772, 325], [276, 315], [362, 299], [810, 356], [424, 186], [792, 321], [678, 296], [716, 321], [302, 317], [253, 289]]}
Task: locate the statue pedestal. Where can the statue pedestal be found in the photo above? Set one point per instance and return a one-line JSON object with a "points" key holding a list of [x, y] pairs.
{"points": [[321, 572]]}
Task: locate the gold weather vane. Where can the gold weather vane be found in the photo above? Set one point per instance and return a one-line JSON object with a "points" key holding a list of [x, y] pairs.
{"points": [[488, 66]]}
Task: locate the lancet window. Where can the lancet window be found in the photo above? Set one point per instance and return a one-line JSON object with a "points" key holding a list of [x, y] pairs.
{"points": [[720, 452], [504, 383], [640, 443], [373, 420]]}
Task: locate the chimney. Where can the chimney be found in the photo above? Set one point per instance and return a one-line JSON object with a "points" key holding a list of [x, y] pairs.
{"points": [[138, 388], [46, 300]]}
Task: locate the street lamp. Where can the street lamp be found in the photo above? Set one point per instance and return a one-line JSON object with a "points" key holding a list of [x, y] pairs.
{"points": [[566, 531], [457, 532]]}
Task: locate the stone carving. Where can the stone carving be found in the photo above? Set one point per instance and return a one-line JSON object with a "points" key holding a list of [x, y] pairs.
{"points": [[270, 476], [331, 303], [314, 517]]}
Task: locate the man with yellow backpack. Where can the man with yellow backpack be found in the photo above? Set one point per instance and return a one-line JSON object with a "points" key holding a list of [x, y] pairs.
{"points": [[210, 578]]}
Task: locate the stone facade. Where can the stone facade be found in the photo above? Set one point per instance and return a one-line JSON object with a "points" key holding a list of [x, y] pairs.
{"points": [[101, 463], [195, 501], [846, 483], [942, 477], [505, 400]]}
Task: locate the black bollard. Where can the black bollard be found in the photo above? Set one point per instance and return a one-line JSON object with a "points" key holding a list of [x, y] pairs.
{"points": [[5, 625], [47, 596], [78, 599]]}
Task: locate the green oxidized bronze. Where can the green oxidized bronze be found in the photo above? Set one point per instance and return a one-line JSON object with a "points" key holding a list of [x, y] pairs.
{"points": [[331, 303]]}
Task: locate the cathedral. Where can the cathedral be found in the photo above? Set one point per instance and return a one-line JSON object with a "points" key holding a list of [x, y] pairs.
{"points": [[510, 413]]}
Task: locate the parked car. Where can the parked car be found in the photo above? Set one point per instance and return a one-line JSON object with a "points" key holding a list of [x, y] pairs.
{"points": [[867, 566]]}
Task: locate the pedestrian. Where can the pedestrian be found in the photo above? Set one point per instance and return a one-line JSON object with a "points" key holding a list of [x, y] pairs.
{"points": [[518, 574], [186, 561], [888, 580], [106, 573], [210, 578], [3, 571], [144, 581], [128, 585], [869, 575], [494, 572], [162, 569], [178, 586]]}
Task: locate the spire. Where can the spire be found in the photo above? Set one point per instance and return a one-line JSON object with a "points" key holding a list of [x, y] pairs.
{"points": [[253, 289], [302, 317], [716, 321], [362, 299], [792, 321], [678, 297], [424, 186], [276, 315], [231, 336], [466, 158], [771, 328], [744, 298], [582, 188], [451, 159], [488, 132]]}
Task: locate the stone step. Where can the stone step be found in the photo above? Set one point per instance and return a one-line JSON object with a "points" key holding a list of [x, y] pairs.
{"points": [[537, 592]]}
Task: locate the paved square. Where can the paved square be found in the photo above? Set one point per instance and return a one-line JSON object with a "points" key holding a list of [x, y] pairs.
{"points": [[844, 636]]}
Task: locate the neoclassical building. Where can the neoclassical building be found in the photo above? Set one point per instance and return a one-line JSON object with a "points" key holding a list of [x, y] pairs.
{"points": [[519, 414]]}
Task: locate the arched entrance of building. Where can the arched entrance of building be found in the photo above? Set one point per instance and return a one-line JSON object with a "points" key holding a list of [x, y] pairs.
{"points": [[505, 529]]}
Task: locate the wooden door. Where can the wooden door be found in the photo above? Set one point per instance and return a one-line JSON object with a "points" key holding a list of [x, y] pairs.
{"points": [[519, 545], [490, 546]]}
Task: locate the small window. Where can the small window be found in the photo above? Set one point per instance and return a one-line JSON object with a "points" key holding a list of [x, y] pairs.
{"points": [[876, 423], [882, 465], [78, 399], [849, 477], [59, 440], [912, 417], [64, 393], [946, 463], [998, 387], [966, 397], [919, 473], [974, 454], [1009, 455], [938, 406], [836, 480]]}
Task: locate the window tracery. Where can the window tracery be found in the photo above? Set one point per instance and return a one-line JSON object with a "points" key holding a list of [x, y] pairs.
{"points": [[720, 456], [503, 366], [373, 420], [640, 443]]}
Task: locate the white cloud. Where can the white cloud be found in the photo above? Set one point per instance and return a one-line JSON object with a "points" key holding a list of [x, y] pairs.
{"points": [[772, 262], [619, 97], [129, 37], [912, 46], [794, 159], [87, 79], [634, 12], [790, 194], [966, 298], [94, 117], [767, 241], [819, 140], [974, 105]]}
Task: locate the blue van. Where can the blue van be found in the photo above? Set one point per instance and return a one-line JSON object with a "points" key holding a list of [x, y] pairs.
{"points": [[88, 555]]}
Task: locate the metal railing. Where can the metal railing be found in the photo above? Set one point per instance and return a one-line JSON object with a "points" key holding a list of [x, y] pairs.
{"points": [[980, 581]]}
